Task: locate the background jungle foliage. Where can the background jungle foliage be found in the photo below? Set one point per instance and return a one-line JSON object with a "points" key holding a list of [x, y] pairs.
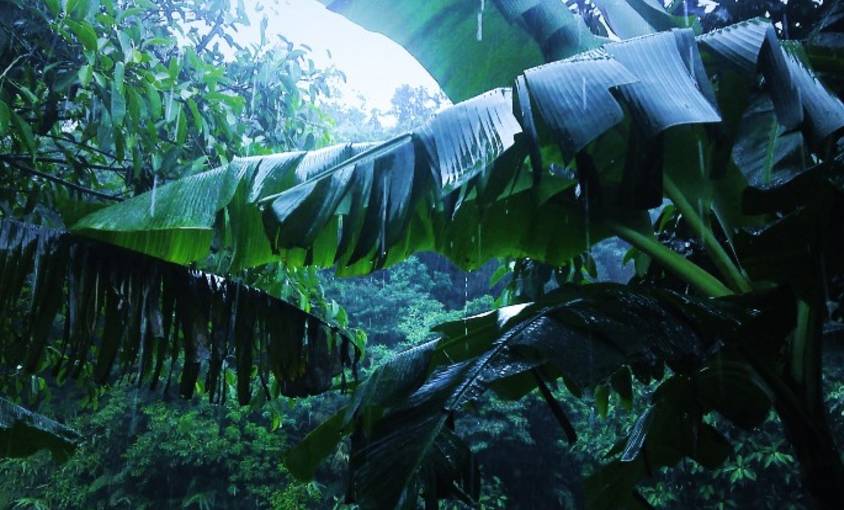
{"points": [[105, 100]]}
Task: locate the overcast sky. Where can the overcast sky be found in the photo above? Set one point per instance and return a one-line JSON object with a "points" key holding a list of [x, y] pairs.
{"points": [[374, 65]]}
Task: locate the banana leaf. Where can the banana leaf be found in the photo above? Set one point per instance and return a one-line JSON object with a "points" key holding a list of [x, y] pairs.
{"points": [[497, 39], [129, 315], [586, 334], [622, 117]]}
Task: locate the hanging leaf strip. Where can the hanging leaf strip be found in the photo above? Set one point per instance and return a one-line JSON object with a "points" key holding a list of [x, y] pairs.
{"points": [[129, 315]]}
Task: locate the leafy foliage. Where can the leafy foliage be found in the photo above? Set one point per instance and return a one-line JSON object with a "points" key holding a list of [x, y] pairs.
{"points": [[108, 98], [410, 421], [141, 452]]}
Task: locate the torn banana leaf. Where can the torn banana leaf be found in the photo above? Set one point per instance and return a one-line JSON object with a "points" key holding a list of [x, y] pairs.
{"points": [[398, 417], [460, 185], [131, 315]]}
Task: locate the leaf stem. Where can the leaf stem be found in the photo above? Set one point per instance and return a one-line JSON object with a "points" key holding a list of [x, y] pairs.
{"points": [[728, 269], [674, 262]]}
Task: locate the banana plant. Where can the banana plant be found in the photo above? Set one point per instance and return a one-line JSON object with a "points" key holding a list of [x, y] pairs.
{"points": [[768, 176], [731, 126], [152, 319], [402, 418]]}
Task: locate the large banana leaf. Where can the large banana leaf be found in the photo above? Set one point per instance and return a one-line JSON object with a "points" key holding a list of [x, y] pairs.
{"points": [[23, 433], [458, 185], [583, 333], [471, 46], [632, 18], [174, 221], [124, 309], [177, 221]]}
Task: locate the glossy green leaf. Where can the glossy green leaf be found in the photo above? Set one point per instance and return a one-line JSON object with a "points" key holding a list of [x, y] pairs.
{"points": [[578, 88], [632, 18], [84, 34], [464, 140], [173, 222]]}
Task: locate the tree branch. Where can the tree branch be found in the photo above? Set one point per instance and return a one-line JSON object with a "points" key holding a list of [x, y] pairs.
{"points": [[57, 180], [218, 25], [59, 161]]}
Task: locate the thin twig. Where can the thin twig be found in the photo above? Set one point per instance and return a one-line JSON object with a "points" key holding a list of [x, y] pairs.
{"points": [[82, 145], [210, 35], [63, 182], [59, 161], [10, 66]]}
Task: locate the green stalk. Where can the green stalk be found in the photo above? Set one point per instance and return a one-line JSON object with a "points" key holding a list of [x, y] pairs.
{"points": [[673, 261], [805, 352], [728, 269]]}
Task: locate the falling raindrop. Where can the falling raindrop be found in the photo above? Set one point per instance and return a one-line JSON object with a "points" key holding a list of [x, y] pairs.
{"points": [[586, 217], [480, 34], [479, 244], [830, 305], [700, 158], [692, 62], [465, 303], [152, 195], [168, 108], [785, 25], [686, 11], [583, 92], [254, 89]]}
